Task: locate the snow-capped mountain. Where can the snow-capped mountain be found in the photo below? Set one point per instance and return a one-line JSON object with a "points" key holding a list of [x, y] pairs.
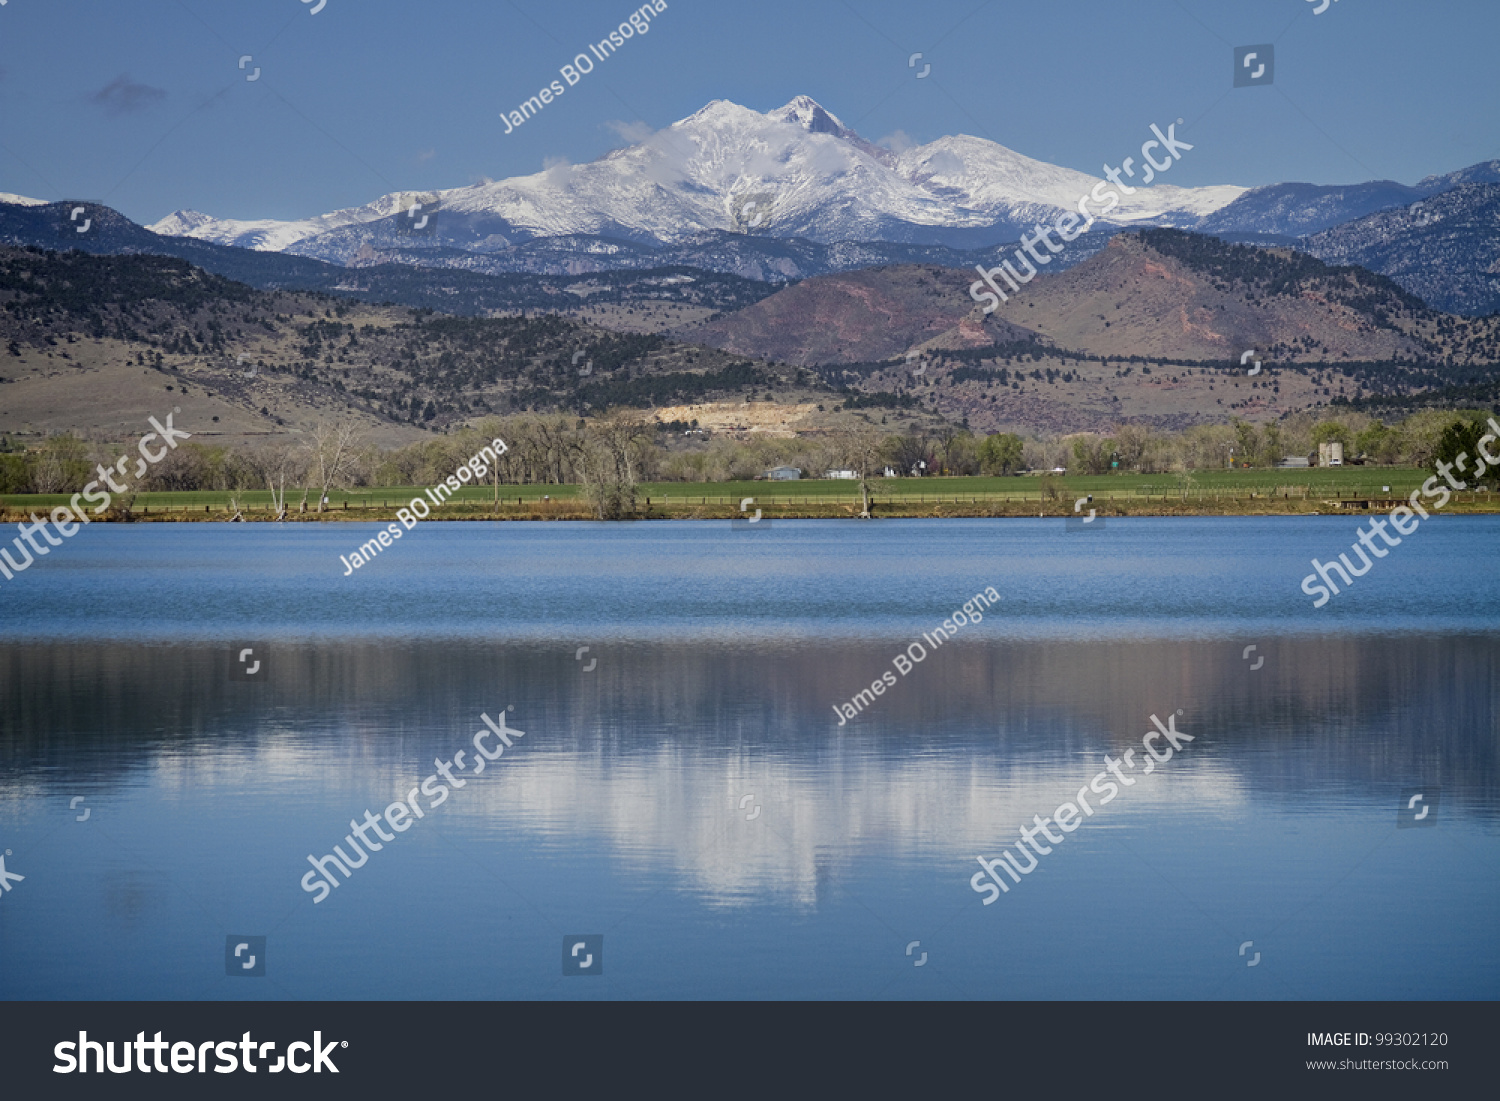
{"points": [[988, 178], [793, 172], [1299, 209], [1445, 248], [272, 236]]}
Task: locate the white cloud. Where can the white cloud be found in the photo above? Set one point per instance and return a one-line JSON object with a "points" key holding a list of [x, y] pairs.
{"points": [[557, 170], [945, 163], [633, 132], [668, 150], [828, 159], [898, 142]]}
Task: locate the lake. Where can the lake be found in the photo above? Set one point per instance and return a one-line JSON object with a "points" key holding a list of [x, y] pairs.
{"points": [[681, 814]]}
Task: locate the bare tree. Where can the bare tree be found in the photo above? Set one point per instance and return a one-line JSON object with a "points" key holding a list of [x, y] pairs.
{"points": [[59, 464], [607, 457], [333, 449], [909, 452], [948, 436], [275, 465], [1134, 444], [957, 446], [861, 450]]}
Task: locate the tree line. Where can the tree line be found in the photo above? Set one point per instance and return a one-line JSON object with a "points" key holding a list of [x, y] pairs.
{"points": [[612, 454]]}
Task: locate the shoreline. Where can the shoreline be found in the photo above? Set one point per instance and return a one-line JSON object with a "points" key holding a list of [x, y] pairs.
{"points": [[899, 510]]}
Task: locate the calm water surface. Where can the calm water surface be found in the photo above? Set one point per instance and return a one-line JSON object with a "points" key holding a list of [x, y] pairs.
{"points": [[683, 788]]}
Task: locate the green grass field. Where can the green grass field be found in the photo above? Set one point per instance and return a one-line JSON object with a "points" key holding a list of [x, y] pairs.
{"points": [[1345, 481], [1201, 485]]}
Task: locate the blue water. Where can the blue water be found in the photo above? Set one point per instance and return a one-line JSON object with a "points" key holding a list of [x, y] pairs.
{"points": [[683, 787], [1202, 577]]}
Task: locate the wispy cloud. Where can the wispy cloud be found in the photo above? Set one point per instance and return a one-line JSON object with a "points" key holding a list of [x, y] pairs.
{"points": [[898, 142], [944, 163], [426, 155], [123, 96], [557, 170], [633, 132]]}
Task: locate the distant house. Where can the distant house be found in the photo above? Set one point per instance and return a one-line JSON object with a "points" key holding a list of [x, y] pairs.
{"points": [[784, 474], [846, 475]]}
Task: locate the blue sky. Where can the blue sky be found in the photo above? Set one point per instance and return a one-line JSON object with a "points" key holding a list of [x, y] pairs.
{"points": [[142, 104]]}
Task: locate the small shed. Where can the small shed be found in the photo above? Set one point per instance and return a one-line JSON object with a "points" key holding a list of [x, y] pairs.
{"points": [[784, 474]]}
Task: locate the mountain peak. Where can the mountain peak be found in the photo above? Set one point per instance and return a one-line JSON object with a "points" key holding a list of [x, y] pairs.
{"points": [[825, 181], [181, 223], [811, 115]]}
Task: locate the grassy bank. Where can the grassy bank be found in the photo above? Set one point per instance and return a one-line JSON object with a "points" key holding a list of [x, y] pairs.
{"points": [[1217, 493]]}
